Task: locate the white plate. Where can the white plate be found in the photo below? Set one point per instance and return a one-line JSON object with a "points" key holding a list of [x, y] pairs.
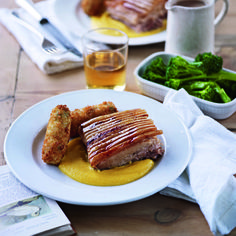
{"points": [[78, 23], [23, 143], [158, 91]]}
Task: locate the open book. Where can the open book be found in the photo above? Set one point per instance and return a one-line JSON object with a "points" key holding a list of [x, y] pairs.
{"points": [[24, 212]]}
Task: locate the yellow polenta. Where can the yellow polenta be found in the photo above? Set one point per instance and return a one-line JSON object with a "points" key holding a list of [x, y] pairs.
{"points": [[76, 166], [106, 21]]}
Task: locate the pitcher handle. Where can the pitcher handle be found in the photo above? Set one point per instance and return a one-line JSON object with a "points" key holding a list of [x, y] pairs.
{"points": [[222, 13]]}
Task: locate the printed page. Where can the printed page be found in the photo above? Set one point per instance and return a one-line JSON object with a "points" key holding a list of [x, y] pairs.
{"points": [[24, 212]]}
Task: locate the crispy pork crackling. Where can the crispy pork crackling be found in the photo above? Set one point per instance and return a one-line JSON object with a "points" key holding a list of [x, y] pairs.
{"points": [[119, 138]]}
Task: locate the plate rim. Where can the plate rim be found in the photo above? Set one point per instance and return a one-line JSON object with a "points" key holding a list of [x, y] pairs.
{"points": [[58, 198]]}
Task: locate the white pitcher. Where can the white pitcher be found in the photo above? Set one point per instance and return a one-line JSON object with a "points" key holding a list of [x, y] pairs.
{"points": [[191, 29]]}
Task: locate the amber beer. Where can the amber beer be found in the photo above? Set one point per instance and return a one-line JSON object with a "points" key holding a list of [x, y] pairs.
{"points": [[105, 69], [105, 52]]}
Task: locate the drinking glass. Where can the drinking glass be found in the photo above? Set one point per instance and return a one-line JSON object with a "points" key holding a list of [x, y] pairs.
{"points": [[105, 52]]}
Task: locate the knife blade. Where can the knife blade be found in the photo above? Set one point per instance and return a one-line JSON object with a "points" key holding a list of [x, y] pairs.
{"points": [[28, 5]]}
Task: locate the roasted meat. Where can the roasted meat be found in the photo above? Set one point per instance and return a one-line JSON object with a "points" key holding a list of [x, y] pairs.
{"points": [[119, 138], [140, 15]]}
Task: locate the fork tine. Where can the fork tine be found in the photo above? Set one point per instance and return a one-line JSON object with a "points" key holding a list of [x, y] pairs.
{"points": [[51, 49], [47, 45]]}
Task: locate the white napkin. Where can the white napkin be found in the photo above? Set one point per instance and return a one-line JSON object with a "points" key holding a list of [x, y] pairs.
{"points": [[209, 177], [31, 43]]}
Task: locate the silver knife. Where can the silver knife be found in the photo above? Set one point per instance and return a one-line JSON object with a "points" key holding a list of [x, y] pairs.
{"points": [[28, 5]]}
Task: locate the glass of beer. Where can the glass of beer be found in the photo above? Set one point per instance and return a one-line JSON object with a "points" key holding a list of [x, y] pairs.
{"points": [[105, 52]]}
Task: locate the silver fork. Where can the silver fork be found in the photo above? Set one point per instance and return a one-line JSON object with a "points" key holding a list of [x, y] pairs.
{"points": [[47, 45]]}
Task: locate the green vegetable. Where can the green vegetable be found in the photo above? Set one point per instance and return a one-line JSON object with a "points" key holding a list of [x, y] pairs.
{"points": [[205, 64], [209, 63], [178, 67], [207, 90], [229, 87], [156, 71], [179, 83], [202, 78]]}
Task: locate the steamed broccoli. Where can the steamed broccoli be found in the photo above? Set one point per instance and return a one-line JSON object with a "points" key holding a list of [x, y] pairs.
{"points": [[205, 64], [156, 71], [176, 83], [229, 87], [209, 63], [225, 79], [207, 90], [178, 67], [206, 68]]}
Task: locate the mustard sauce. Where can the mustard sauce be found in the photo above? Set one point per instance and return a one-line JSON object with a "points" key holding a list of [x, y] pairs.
{"points": [[76, 166], [106, 21]]}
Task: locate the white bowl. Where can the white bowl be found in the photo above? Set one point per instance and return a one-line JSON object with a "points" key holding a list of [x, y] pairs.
{"points": [[158, 91]]}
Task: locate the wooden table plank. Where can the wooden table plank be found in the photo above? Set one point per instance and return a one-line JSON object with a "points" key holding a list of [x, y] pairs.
{"points": [[8, 76], [33, 81], [155, 215]]}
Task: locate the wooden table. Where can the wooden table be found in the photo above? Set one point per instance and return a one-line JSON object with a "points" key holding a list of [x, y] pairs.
{"points": [[22, 85]]}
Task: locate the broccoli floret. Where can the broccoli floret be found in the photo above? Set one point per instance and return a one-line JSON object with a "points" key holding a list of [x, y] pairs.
{"points": [[207, 90], [224, 96], [229, 87], [154, 77], [179, 83], [156, 71], [209, 63], [206, 67], [205, 71], [208, 93], [204, 64], [178, 67]]}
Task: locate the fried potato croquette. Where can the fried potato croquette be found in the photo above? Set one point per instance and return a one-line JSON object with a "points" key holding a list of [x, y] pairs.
{"points": [[78, 116], [57, 135], [93, 7]]}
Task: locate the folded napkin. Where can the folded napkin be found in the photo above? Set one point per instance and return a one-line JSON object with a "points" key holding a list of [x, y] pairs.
{"points": [[31, 43], [209, 177]]}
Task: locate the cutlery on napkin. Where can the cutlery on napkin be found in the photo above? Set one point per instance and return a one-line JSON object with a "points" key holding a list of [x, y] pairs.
{"points": [[209, 177], [29, 6], [31, 44]]}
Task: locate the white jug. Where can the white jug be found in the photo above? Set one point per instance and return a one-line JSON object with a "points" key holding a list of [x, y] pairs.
{"points": [[191, 26]]}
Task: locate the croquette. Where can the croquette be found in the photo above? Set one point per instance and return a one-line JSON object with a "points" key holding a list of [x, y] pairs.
{"points": [[78, 116], [57, 135]]}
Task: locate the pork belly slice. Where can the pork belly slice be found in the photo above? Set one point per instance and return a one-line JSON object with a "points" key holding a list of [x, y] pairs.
{"points": [[119, 138], [140, 15]]}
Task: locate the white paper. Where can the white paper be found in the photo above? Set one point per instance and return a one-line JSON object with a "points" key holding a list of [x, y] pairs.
{"points": [[24, 212]]}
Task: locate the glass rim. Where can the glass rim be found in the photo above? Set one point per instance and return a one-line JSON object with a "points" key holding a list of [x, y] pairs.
{"points": [[123, 36]]}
